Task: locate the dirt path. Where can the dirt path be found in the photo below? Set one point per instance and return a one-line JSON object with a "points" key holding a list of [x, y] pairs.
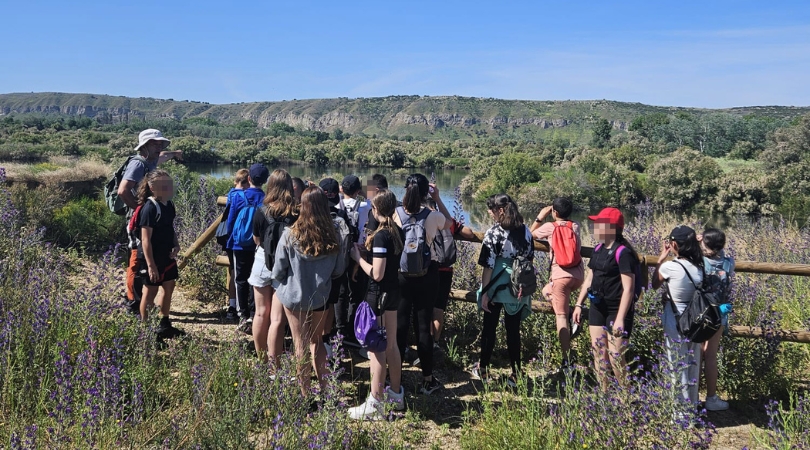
{"points": [[437, 418]]}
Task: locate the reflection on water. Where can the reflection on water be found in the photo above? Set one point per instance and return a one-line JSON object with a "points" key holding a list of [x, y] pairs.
{"points": [[474, 213], [447, 180]]}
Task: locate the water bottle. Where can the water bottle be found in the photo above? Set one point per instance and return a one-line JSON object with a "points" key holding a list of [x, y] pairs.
{"points": [[725, 308], [593, 298]]}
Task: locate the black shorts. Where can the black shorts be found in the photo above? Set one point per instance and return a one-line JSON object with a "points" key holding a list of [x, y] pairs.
{"points": [[389, 299], [166, 268], [603, 314], [445, 285]]}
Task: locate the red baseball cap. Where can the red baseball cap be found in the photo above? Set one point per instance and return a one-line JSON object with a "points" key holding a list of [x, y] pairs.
{"points": [[609, 215]]}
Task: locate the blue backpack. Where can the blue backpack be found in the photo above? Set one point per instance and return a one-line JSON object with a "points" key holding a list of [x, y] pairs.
{"points": [[243, 225], [367, 331]]}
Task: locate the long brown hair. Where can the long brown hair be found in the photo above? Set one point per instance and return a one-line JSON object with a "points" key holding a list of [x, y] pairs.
{"points": [[385, 202], [144, 190], [279, 200], [314, 232]]}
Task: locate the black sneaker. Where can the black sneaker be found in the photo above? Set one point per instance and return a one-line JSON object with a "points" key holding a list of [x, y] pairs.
{"points": [[231, 315], [429, 387]]}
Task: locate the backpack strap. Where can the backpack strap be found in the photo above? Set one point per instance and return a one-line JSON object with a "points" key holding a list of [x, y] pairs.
{"points": [[619, 252], [492, 282], [244, 197], [687, 274], [157, 208]]}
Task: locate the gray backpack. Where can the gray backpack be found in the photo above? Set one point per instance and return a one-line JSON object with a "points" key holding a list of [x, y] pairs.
{"points": [[114, 202], [415, 259]]}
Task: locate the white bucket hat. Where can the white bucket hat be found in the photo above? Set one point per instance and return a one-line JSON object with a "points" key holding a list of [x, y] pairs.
{"points": [[151, 135]]}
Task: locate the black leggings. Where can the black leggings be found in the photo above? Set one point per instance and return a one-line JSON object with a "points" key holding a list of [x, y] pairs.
{"points": [[417, 296], [512, 323]]}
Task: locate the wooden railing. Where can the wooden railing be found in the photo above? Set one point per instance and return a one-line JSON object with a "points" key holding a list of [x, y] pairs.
{"points": [[545, 308]]}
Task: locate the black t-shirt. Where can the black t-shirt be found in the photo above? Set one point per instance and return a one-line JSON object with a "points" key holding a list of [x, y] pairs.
{"points": [[383, 247], [162, 230], [607, 280], [371, 223], [260, 224]]}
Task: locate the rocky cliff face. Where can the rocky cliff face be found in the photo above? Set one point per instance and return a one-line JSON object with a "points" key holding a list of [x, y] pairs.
{"points": [[396, 114]]}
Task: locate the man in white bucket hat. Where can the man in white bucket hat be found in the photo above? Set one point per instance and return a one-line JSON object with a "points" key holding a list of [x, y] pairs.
{"points": [[151, 152]]}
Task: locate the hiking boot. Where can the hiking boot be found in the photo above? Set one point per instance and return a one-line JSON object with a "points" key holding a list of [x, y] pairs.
{"points": [[429, 387], [166, 330], [714, 403], [397, 400], [371, 409]]}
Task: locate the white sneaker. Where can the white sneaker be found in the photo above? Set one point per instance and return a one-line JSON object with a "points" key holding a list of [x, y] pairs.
{"points": [[714, 403], [371, 409], [397, 400]]}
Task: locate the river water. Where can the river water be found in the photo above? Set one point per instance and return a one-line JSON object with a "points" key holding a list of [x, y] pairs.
{"points": [[447, 180]]}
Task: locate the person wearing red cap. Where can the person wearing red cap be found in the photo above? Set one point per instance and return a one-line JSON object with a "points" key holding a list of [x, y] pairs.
{"points": [[610, 286]]}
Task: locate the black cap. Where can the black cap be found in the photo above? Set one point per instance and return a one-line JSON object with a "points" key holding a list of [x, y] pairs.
{"points": [[331, 188], [351, 184], [681, 234]]}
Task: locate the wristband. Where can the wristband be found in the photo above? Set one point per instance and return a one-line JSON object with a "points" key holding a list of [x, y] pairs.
{"points": [[577, 306], [538, 220]]}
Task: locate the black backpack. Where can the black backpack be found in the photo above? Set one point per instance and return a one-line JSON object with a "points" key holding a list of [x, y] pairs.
{"points": [[701, 319], [272, 234]]}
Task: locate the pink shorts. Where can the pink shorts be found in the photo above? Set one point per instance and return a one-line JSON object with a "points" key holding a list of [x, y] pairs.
{"points": [[558, 292]]}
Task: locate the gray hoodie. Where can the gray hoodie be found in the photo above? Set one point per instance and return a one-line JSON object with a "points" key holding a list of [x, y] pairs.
{"points": [[303, 282]]}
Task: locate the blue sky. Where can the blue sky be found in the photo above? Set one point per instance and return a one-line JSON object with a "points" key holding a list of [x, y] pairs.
{"points": [[704, 54]]}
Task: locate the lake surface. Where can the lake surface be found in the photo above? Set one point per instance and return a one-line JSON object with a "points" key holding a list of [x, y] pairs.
{"points": [[447, 180]]}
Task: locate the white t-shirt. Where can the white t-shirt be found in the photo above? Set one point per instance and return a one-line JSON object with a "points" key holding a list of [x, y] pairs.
{"points": [[362, 210], [680, 288]]}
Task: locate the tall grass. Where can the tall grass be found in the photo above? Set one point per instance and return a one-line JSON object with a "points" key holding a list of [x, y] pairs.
{"points": [[77, 372]]}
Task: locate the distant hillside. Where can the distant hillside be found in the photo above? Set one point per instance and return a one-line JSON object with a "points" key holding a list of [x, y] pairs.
{"points": [[452, 117]]}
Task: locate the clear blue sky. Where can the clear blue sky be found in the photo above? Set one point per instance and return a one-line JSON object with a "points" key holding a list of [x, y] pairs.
{"points": [[705, 54]]}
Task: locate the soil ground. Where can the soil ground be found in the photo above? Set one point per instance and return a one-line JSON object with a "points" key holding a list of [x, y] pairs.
{"points": [[435, 421]]}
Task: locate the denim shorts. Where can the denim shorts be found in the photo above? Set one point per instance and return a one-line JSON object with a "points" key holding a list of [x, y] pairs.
{"points": [[259, 274]]}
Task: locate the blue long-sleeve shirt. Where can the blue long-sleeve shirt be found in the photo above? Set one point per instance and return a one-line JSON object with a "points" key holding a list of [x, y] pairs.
{"points": [[236, 201]]}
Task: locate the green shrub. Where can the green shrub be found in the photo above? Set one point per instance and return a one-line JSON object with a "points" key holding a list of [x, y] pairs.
{"points": [[87, 223]]}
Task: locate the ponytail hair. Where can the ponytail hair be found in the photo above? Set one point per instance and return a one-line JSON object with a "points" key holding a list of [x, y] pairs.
{"points": [[506, 211], [144, 190], [714, 240], [385, 202], [416, 190], [689, 249]]}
